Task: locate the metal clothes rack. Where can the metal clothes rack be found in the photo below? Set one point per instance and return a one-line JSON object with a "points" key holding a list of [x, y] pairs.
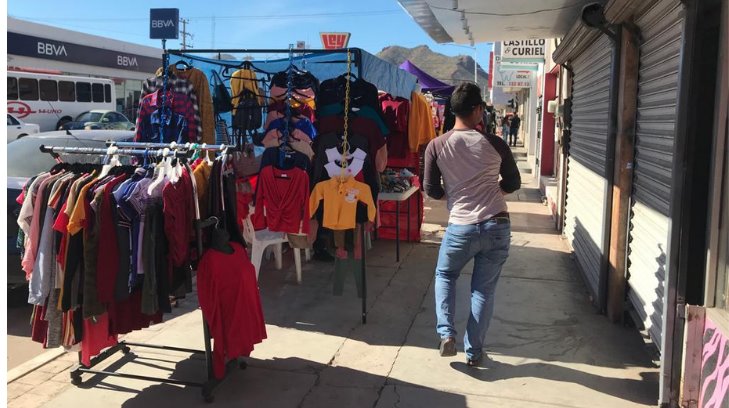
{"points": [[165, 150], [357, 61]]}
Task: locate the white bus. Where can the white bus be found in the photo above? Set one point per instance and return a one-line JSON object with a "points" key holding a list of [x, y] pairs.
{"points": [[51, 100]]}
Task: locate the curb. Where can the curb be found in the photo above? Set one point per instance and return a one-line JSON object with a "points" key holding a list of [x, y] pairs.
{"points": [[34, 364]]}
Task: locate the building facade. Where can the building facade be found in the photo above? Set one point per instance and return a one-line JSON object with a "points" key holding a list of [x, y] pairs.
{"points": [[33, 46], [640, 180]]}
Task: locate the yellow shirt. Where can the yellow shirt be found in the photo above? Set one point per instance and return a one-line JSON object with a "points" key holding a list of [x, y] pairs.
{"points": [[78, 216], [340, 202], [202, 177], [244, 79], [420, 122]]}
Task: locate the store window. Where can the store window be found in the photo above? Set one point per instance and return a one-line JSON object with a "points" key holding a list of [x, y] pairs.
{"points": [[97, 90], [83, 92], [12, 88], [28, 89], [66, 91], [48, 90]]}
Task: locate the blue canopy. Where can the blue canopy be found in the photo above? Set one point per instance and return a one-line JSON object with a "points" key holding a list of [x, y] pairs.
{"points": [[384, 75]]}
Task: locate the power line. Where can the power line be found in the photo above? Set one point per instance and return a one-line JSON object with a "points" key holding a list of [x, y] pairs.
{"points": [[252, 17]]}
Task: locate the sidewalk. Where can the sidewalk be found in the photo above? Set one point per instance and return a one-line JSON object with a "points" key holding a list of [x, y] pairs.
{"points": [[548, 347]]}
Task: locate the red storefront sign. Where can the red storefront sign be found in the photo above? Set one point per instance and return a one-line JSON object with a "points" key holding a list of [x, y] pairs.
{"points": [[332, 41]]}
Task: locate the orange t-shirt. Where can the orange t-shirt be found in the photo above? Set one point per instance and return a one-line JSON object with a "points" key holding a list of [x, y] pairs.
{"points": [[340, 202]]}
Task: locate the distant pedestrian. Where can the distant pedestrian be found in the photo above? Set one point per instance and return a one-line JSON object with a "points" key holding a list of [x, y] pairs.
{"points": [[470, 164], [514, 129], [505, 129]]}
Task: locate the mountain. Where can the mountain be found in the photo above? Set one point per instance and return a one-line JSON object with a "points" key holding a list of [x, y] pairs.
{"points": [[451, 70]]}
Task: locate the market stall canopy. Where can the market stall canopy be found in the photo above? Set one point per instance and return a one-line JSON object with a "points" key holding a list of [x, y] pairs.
{"points": [[476, 21], [384, 75], [427, 82]]}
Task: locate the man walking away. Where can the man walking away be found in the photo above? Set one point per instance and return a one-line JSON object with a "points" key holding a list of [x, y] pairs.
{"points": [[505, 129], [514, 130], [470, 163]]}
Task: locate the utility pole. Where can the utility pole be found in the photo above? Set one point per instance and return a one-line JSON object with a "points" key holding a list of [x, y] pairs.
{"points": [[184, 33]]}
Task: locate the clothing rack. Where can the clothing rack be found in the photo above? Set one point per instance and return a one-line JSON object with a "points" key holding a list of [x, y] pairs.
{"points": [[356, 58], [165, 150]]}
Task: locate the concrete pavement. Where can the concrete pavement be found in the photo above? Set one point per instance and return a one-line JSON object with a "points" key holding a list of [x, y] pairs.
{"points": [[547, 346]]}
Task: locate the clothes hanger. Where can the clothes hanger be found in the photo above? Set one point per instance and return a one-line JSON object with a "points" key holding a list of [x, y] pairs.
{"points": [[220, 238], [159, 172], [182, 65], [111, 151]]}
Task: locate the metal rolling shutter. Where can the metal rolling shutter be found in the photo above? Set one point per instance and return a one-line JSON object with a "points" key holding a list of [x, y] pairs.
{"points": [[586, 183], [660, 52]]}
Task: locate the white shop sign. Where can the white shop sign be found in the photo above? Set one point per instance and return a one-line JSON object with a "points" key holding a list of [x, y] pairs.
{"points": [[523, 51]]}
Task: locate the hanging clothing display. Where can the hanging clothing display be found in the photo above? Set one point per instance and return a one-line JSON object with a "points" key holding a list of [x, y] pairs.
{"points": [[172, 122], [178, 85], [340, 202], [420, 122], [282, 200], [199, 81], [397, 112], [229, 299]]}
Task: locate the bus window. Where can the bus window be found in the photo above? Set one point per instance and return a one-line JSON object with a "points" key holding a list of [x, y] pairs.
{"points": [[107, 93], [66, 91], [12, 88], [48, 90], [97, 90], [28, 89], [83, 92]]}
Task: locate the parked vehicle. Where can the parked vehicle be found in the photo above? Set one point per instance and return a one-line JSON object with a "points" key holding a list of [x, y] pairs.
{"points": [[25, 161], [100, 119], [17, 128], [52, 100]]}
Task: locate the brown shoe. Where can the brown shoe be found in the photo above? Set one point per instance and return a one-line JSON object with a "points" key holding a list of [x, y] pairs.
{"points": [[448, 347]]}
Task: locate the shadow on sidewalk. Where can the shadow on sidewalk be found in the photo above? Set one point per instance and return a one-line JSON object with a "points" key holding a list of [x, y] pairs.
{"points": [[277, 383], [633, 390]]}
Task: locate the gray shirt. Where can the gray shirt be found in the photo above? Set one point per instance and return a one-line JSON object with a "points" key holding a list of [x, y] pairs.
{"points": [[475, 168]]}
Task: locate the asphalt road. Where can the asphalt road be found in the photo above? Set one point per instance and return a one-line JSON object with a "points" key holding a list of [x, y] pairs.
{"points": [[20, 347]]}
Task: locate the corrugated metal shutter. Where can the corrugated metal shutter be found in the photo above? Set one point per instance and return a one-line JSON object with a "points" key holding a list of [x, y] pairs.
{"points": [[660, 57], [586, 182]]}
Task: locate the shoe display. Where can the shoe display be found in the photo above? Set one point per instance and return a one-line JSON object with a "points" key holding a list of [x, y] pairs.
{"points": [[447, 347]]}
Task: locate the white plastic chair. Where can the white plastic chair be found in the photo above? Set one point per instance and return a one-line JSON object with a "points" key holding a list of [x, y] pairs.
{"points": [[262, 239]]}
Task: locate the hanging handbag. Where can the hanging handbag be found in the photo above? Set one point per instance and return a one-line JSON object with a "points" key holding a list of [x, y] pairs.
{"points": [[221, 97], [245, 163], [248, 113]]}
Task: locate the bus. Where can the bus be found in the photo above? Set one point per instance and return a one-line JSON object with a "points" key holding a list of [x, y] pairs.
{"points": [[51, 100]]}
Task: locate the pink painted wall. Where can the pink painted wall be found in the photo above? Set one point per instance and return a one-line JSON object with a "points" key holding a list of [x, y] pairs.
{"points": [[714, 368]]}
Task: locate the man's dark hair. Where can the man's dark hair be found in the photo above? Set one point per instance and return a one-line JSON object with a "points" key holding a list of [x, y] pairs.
{"points": [[465, 98]]}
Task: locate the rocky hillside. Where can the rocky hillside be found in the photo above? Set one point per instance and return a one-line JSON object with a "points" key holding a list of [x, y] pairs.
{"points": [[451, 70]]}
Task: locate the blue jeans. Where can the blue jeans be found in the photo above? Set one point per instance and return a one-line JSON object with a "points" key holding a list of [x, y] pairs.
{"points": [[488, 244]]}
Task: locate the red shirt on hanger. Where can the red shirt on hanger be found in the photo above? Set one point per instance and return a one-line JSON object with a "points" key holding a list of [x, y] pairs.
{"points": [[228, 294], [282, 200]]}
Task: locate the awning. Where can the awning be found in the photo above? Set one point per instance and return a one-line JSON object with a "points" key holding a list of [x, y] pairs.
{"points": [[427, 82], [477, 21]]}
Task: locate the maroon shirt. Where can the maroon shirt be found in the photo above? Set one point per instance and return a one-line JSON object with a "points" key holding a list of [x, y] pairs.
{"points": [[108, 251], [360, 125]]}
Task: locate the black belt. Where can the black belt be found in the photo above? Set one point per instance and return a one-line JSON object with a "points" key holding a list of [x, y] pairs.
{"points": [[500, 218]]}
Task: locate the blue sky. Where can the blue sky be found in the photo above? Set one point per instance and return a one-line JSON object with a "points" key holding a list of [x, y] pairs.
{"points": [[374, 24]]}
